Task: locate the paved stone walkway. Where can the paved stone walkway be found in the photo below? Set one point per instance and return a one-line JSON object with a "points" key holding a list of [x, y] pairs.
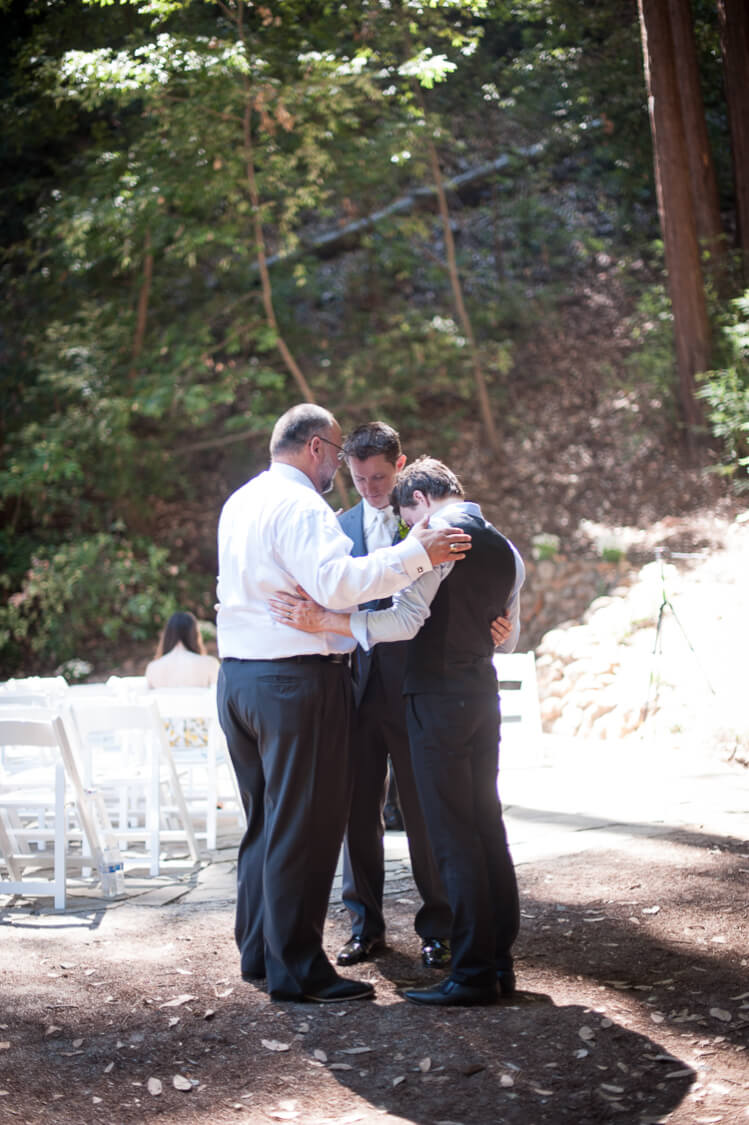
{"points": [[576, 796]]}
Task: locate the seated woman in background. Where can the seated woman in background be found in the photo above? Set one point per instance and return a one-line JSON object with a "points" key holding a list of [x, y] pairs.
{"points": [[181, 659]]}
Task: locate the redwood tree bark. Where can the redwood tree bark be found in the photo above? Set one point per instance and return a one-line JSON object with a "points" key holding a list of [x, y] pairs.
{"points": [[675, 208], [703, 180], [734, 36]]}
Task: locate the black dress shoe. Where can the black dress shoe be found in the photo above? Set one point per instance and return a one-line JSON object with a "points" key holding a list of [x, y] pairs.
{"points": [[506, 982], [358, 949], [436, 953], [334, 993], [452, 994]]}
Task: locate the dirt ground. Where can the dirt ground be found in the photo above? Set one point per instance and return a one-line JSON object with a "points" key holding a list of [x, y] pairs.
{"points": [[633, 966]]}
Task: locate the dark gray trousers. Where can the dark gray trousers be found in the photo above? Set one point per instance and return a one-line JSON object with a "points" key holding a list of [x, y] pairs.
{"points": [[287, 729], [454, 746], [379, 730]]}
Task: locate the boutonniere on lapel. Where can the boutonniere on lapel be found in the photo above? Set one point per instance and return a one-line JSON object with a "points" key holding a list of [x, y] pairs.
{"points": [[403, 528]]}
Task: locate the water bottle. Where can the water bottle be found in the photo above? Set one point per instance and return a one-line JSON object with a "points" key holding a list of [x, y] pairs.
{"points": [[111, 871]]}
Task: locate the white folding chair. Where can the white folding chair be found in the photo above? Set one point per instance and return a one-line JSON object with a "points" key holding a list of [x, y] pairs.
{"points": [[127, 759], [55, 686], [520, 709], [43, 802], [201, 756]]}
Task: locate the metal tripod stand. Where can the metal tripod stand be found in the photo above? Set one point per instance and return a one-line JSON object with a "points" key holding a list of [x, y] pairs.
{"points": [[666, 603]]}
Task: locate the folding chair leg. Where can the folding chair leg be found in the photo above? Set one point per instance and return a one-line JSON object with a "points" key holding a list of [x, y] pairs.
{"points": [[60, 832], [153, 812], [210, 813]]}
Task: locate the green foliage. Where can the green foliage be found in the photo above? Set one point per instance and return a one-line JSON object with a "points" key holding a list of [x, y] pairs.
{"points": [[85, 596], [726, 392], [138, 347]]}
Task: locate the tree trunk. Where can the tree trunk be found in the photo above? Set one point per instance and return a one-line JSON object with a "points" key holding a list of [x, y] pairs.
{"points": [[702, 178], [482, 393], [675, 208], [734, 36], [267, 291]]}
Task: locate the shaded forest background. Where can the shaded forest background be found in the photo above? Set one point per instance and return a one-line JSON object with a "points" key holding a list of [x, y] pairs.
{"points": [[444, 215]]}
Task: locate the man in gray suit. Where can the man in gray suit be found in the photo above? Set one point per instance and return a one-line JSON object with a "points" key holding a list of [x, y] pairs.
{"points": [[374, 457]]}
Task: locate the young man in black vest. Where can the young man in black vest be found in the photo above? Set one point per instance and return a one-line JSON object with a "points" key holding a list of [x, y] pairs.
{"points": [[453, 723]]}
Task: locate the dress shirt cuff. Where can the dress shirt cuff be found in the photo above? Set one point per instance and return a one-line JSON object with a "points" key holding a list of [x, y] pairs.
{"points": [[413, 557], [358, 625]]}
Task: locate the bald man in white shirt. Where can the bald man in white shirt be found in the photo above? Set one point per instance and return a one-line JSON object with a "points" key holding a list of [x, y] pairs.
{"points": [[285, 697]]}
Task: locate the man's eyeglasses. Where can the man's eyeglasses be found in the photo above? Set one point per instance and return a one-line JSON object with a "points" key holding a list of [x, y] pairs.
{"points": [[341, 453]]}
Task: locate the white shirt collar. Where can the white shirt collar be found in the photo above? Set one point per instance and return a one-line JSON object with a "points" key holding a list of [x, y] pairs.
{"points": [[291, 473], [451, 510]]}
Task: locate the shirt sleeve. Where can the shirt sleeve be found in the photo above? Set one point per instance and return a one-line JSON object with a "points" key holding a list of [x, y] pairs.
{"points": [[405, 616], [512, 609], [316, 552]]}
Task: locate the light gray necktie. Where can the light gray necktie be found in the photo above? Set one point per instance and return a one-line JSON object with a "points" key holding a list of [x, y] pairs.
{"points": [[381, 531]]}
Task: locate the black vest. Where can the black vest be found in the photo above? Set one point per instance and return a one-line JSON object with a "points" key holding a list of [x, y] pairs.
{"points": [[452, 652]]}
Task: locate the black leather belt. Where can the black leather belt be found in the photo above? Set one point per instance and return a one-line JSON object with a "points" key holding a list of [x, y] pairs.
{"points": [[304, 658]]}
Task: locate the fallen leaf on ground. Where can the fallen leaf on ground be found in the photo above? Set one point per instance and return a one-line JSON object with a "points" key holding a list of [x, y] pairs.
{"points": [[183, 998], [319, 1054], [274, 1045], [721, 1014], [397, 1081]]}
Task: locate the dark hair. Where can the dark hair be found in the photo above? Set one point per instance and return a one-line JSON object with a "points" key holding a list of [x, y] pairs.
{"points": [[426, 475], [295, 428], [181, 627], [373, 438]]}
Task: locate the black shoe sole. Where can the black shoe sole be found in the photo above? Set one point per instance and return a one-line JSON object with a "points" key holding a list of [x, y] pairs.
{"points": [[311, 998]]}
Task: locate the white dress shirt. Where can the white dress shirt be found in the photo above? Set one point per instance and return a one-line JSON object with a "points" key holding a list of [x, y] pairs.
{"points": [[277, 531], [410, 608]]}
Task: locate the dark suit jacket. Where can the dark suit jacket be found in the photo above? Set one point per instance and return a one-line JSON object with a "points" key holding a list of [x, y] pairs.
{"points": [[390, 658]]}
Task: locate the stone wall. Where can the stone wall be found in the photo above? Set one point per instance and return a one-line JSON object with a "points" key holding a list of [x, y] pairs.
{"points": [[607, 670], [561, 589]]}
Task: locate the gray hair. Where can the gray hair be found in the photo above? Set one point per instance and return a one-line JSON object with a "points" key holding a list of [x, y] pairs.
{"points": [[295, 428]]}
